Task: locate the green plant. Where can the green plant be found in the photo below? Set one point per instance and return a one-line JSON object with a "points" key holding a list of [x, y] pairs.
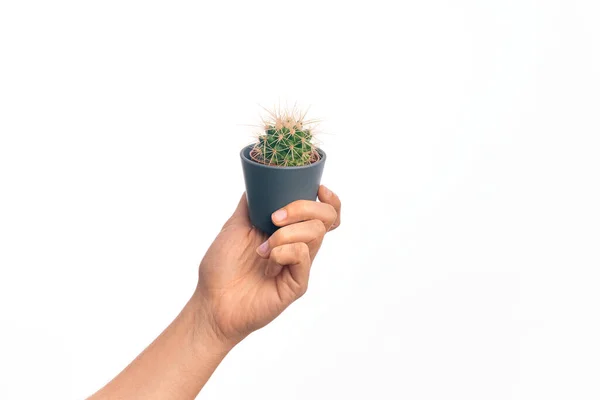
{"points": [[287, 140]]}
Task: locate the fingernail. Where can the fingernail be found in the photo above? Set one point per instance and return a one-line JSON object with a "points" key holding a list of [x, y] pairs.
{"points": [[327, 191], [263, 249], [279, 215]]}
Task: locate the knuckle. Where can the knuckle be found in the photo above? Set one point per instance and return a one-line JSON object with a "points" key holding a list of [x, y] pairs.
{"points": [[331, 209], [333, 213], [284, 235], [281, 236], [301, 249], [303, 289], [276, 252], [319, 227], [304, 207], [336, 223], [296, 207]]}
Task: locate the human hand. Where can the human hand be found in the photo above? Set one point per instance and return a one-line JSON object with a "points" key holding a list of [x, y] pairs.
{"points": [[246, 279]]}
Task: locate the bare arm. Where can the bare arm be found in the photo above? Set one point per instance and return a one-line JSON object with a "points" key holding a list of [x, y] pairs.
{"points": [[175, 366], [245, 281]]}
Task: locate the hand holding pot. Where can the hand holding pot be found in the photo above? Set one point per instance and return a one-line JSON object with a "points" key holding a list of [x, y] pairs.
{"points": [[246, 279]]}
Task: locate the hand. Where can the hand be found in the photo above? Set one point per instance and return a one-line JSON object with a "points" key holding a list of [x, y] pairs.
{"points": [[247, 279]]}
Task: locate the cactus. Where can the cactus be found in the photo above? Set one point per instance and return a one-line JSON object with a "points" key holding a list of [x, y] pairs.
{"points": [[287, 140]]}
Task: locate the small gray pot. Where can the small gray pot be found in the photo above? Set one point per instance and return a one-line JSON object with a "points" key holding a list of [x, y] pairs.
{"points": [[269, 188]]}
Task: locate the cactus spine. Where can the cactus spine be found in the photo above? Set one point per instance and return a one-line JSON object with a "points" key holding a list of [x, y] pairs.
{"points": [[287, 140]]}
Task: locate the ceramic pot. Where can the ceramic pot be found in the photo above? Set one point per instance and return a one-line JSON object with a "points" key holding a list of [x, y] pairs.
{"points": [[268, 188]]}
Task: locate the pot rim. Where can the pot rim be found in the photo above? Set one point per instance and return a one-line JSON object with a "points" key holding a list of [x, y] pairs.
{"points": [[249, 160]]}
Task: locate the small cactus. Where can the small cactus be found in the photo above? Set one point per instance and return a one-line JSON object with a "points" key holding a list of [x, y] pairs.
{"points": [[287, 140]]}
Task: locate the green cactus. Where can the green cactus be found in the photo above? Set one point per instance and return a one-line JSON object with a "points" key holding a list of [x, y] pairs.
{"points": [[287, 140]]}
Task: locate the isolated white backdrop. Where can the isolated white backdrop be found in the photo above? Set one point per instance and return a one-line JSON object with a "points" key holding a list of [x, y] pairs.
{"points": [[462, 139]]}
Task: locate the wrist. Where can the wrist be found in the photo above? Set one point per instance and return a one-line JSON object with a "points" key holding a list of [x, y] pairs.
{"points": [[206, 338]]}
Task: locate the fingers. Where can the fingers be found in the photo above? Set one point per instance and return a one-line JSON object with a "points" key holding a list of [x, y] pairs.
{"points": [[295, 256], [326, 196], [304, 210], [310, 233]]}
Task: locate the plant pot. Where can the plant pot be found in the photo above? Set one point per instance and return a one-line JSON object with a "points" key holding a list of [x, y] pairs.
{"points": [[269, 188]]}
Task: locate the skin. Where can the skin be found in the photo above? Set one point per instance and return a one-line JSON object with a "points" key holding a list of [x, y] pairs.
{"points": [[245, 281]]}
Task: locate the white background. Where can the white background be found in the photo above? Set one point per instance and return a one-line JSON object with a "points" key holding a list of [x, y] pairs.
{"points": [[462, 138]]}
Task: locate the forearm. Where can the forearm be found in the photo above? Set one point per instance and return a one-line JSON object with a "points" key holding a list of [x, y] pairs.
{"points": [[175, 366]]}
